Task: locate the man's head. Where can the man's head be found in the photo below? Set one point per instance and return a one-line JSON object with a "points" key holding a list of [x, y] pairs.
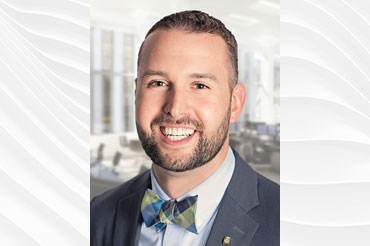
{"points": [[185, 91], [198, 22]]}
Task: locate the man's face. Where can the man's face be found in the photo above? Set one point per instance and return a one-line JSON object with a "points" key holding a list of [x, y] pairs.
{"points": [[183, 98]]}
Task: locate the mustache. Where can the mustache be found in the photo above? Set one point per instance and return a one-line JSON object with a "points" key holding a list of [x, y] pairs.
{"points": [[160, 119]]}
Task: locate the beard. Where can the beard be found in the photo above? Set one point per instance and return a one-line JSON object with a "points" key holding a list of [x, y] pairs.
{"points": [[206, 149]]}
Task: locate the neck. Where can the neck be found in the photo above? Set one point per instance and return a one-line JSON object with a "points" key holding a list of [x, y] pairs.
{"points": [[176, 184]]}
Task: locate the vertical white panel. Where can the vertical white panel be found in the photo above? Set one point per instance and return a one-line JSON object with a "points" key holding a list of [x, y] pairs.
{"points": [[132, 119], [132, 122], [117, 83], [251, 90], [97, 101], [44, 123], [97, 92], [267, 114], [97, 49], [117, 109], [325, 119], [118, 51]]}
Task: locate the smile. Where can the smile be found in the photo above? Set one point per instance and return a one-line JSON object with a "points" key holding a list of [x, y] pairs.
{"points": [[176, 134]]}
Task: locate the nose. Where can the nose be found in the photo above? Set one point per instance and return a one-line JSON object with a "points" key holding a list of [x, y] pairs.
{"points": [[176, 103]]}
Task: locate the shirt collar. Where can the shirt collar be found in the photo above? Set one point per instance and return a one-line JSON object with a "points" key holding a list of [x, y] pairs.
{"points": [[210, 191]]}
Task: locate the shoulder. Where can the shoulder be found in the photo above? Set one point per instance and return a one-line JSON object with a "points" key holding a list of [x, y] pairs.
{"points": [[265, 208], [110, 198], [264, 192], [267, 213], [267, 188], [103, 207], [268, 195], [267, 191]]}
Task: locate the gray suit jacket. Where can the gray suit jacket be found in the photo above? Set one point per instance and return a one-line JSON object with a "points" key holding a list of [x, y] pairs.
{"points": [[249, 212]]}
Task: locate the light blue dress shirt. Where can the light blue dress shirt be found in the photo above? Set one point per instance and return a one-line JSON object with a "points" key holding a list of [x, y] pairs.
{"points": [[210, 193]]}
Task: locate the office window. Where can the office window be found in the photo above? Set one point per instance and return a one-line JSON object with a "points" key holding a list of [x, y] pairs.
{"points": [[112, 81]]}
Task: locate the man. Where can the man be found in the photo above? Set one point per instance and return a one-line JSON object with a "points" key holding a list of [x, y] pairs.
{"points": [[199, 191]]}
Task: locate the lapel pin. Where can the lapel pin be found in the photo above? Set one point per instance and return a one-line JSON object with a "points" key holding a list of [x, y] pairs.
{"points": [[226, 240]]}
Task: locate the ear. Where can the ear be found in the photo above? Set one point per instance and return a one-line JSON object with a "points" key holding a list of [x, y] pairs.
{"points": [[237, 102], [136, 85]]}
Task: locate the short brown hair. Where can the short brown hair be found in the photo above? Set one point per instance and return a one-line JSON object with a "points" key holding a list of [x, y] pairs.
{"points": [[200, 22]]}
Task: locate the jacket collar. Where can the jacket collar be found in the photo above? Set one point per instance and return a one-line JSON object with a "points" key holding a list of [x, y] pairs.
{"points": [[128, 215], [232, 218]]}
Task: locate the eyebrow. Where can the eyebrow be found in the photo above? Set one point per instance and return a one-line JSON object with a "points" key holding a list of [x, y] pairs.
{"points": [[193, 75], [152, 73], [203, 76]]}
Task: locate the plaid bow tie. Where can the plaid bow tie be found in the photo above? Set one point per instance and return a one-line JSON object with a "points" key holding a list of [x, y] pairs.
{"points": [[159, 213]]}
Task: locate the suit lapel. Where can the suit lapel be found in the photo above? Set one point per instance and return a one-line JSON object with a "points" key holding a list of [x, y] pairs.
{"points": [[232, 218], [128, 214], [232, 221]]}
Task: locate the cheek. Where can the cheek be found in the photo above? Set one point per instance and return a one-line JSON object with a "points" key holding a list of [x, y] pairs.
{"points": [[147, 108], [211, 112]]}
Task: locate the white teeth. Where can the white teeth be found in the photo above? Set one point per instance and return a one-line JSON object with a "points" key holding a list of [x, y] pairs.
{"points": [[176, 134]]}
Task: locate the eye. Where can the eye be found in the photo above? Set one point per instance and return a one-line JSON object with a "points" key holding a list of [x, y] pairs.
{"points": [[157, 83], [200, 86]]}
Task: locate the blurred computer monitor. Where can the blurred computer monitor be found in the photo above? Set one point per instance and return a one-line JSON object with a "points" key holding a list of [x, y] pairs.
{"points": [[272, 130], [262, 129]]}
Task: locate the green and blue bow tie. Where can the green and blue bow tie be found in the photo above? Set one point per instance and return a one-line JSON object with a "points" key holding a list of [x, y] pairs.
{"points": [[160, 213]]}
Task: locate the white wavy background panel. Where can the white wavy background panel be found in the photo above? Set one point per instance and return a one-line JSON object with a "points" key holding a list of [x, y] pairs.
{"points": [[62, 57], [329, 85], [325, 118], [319, 118], [47, 78], [297, 234], [31, 23], [330, 204], [325, 162], [44, 123], [329, 41]]}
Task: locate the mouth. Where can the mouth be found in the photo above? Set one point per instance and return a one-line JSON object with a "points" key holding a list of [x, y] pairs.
{"points": [[177, 134]]}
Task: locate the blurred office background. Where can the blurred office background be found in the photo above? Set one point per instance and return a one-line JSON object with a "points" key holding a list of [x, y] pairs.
{"points": [[118, 28]]}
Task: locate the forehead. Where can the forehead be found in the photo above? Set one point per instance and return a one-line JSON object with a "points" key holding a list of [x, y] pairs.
{"points": [[166, 49]]}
